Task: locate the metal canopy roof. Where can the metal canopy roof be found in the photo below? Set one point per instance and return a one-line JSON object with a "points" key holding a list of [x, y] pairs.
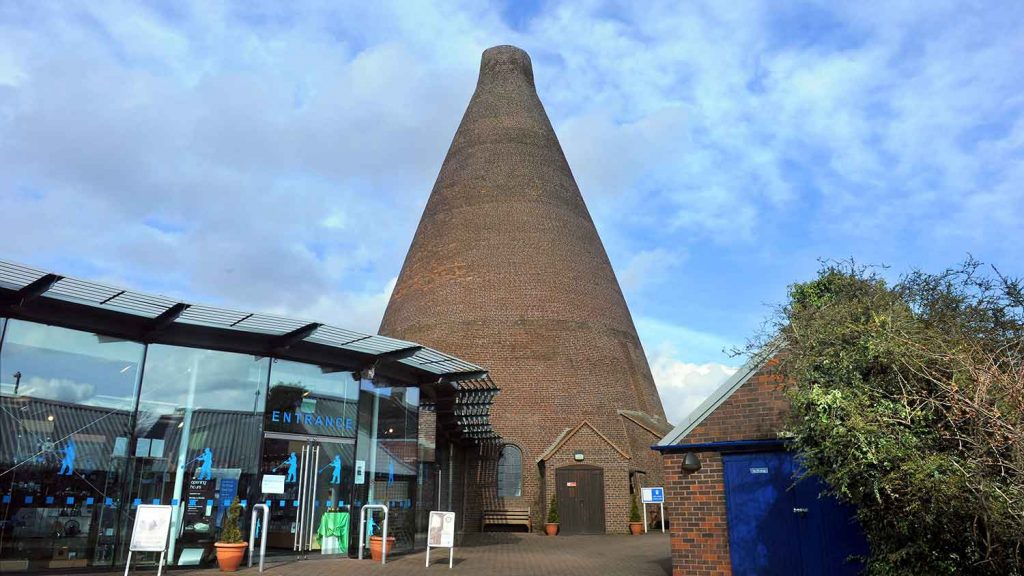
{"points": [[25, 292], [467, 413]]}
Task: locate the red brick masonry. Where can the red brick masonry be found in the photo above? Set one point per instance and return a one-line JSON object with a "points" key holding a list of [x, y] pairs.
{"points": [[695, 503], [507, 270]]}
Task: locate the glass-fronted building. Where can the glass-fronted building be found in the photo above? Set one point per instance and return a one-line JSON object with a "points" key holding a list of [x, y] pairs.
{"points": [[110, 399]]}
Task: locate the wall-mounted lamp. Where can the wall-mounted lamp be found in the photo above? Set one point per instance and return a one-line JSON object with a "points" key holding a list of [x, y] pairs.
{"points": [[691, 463], [578, 456]]}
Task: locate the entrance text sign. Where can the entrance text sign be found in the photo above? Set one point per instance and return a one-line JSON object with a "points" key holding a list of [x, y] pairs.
{"points": [[149, 534], [654, 495], [273, 484], [441, 534]]}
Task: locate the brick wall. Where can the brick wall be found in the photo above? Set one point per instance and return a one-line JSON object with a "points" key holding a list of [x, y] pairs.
{"points": [[754, 412], [695, 503], [695, 507], [507, 270], [643, 458], [596, 452]]}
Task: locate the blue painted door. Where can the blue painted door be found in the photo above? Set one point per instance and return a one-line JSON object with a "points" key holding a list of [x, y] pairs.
{"points": [[776, 527]]}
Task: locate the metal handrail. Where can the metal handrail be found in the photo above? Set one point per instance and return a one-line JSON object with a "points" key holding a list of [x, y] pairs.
{"points": [[384, 531], [311, 496], [297, 537], [263, 535]]}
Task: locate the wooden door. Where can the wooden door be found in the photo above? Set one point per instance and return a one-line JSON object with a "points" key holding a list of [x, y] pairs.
{"points": [[580, 493]]}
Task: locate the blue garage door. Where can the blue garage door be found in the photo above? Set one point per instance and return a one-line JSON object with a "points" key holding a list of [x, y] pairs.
{"points": [[776, 527]]}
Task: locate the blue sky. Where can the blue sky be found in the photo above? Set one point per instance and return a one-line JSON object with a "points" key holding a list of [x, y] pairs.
{"points": [[277, 156]]}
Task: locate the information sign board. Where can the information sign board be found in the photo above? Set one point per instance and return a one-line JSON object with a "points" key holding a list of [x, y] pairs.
{"points": [[149, 533], [273, 484], [654, 495], [441, 534], [152, 524], [199, 500], [442, 530]]}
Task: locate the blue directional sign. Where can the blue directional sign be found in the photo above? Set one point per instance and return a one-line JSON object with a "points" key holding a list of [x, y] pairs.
{"points": [[653, 495]]}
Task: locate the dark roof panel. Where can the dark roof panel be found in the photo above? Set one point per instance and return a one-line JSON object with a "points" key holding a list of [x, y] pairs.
{"points": [[426, 362]]}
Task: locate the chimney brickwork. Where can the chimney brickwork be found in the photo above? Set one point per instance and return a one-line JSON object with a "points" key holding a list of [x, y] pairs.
{"points": [[507, 271]]}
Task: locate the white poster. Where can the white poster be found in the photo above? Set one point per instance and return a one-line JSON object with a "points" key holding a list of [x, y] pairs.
{"points": [[441, 533], [273, 484], [360, 471], [152, 524]]}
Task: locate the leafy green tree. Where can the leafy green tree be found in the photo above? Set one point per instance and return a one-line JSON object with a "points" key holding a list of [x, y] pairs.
{"points": [[908, 399]]}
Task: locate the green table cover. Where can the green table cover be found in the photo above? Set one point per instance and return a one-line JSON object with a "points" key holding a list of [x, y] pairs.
{"points": [[334, 524]]}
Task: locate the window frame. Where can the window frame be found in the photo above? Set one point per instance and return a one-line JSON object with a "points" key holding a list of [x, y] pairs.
{"points": [[509, 488]]}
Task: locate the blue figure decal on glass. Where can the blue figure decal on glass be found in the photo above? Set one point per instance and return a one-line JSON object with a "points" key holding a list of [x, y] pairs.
{"points": [[391, 471], [293, 463], [206, 466], [257, 526], [67, 465], [336, 473]]}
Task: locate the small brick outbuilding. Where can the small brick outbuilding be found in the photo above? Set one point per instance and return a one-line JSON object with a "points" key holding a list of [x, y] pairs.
{"points": [[731, 496]]}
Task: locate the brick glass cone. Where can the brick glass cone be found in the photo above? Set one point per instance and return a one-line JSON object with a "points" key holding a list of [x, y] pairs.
{"points": [[507, 270]]}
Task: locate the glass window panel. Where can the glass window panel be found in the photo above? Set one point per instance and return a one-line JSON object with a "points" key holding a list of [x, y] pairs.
{"points": [[510, 472], [388, 447], [309, 399], [201, 412], [66, 400]]}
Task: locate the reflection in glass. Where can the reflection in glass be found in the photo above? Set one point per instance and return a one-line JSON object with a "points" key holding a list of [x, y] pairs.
{"points": [[308, 399], [66, 399], [198, 432], [387, 444]]}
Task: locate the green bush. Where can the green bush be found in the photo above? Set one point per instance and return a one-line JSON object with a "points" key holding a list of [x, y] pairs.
{"points": [[231, 533], [908, 400], [553, 511]]}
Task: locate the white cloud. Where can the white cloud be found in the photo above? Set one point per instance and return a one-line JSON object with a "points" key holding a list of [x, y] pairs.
{"points": [[60, 389], [288, 150], [678, 357], [649, 268], [360, 311], [660, 336], [684, 385]]}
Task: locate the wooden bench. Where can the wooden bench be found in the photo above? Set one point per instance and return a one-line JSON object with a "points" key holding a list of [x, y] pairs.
{"points": [[505, 518]]}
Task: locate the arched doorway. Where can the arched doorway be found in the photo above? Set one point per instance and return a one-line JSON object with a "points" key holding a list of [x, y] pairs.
{"points": [[580, 492]]}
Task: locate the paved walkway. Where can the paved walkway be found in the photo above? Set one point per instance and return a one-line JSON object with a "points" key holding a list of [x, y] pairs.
{"points": [[503, 554]]}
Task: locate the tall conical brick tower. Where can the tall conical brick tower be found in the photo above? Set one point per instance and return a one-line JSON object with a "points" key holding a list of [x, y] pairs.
{"points": [[507, 270]]}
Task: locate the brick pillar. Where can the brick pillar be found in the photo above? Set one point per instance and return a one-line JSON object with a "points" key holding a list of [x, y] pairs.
{"points": [[695, 507]]}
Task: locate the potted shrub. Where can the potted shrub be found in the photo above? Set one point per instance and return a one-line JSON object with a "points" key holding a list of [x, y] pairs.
{"points": [[377, 543], [230, 547], [636, 525], [551, 527]]}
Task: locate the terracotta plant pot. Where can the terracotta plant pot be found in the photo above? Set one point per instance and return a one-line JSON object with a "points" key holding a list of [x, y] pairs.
{"points": [[229, 556], [375, 546], [551, 528], [636, 528]]}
